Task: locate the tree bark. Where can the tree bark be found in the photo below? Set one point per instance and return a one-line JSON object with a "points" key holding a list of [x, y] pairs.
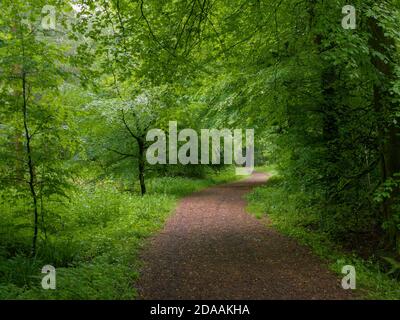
{"points": [[141, 166], [30, 164]]}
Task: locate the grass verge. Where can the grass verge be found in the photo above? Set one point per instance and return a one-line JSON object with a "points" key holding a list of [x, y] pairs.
{"points": [[93, 241], [273, 200]]}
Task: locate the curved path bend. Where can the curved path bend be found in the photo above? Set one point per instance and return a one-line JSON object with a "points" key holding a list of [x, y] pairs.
{"points": [[211, 248]]}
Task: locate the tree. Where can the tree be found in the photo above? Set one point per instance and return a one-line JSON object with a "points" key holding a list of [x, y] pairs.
{"points": [[36, 126], [384, 57]]}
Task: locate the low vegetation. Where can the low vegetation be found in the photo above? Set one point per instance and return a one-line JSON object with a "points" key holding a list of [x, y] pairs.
{"points": [[93, 239], [286, 212]]}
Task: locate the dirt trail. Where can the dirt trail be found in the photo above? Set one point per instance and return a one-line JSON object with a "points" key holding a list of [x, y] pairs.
{"points": [[212, 249]]}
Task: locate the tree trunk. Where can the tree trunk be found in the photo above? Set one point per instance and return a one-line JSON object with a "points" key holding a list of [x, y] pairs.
{"points": [[19, 170], [30, 164], [330, 130], [141, 166]]}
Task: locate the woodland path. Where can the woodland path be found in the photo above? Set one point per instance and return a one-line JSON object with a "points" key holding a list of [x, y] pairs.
{"points": [[211, 248]]}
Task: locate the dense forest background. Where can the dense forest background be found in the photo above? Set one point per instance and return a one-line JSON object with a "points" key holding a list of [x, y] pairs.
{"points": [[82, 82]]}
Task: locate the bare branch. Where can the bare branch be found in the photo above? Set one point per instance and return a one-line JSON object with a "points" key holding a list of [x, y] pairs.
{"points": [[121, 153], [127, 127]]}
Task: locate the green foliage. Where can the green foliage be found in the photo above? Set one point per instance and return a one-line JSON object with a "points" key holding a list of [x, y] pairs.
{"points": [[93, 240], [286, 213], [76, 104]]}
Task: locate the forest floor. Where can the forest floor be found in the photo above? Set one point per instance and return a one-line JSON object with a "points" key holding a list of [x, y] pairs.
{"points": [[211, 248]]}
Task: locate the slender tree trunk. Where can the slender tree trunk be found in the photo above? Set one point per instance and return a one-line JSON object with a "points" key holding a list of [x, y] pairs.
{"points": [[19, 170], [141, 166], [330, 129], [31, 170], [141, 141]]}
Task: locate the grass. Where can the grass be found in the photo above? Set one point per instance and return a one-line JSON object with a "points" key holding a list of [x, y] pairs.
{"points": [[274, 200], [93, 241]]}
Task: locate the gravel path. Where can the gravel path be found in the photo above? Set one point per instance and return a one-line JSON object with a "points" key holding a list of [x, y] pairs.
{"points": [[212, 249]]}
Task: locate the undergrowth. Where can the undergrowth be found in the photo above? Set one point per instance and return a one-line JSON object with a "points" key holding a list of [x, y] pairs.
{"points": [[287, 214], [92, 240]]}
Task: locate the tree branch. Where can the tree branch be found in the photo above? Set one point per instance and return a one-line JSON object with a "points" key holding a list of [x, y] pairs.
{"points": [[127, 127], [121, 153]]}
